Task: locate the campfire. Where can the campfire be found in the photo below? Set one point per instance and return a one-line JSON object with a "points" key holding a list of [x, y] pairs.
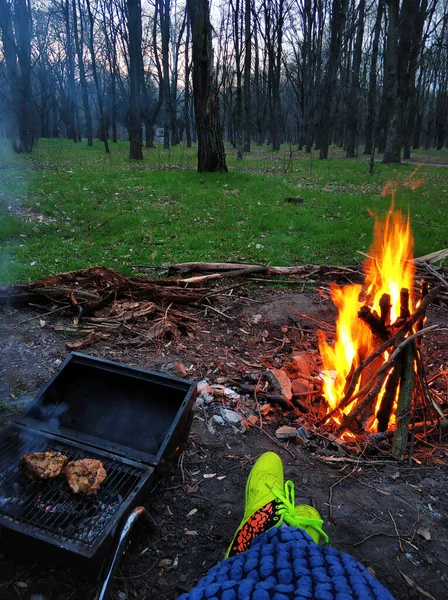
{"points": [[374, 379]]}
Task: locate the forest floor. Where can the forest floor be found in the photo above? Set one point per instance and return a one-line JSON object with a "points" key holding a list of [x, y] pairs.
{"points": [[391, 516], [67, 206]]}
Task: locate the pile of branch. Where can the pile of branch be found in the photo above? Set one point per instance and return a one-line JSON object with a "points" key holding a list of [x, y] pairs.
{"points": [[404, 354], [104, 302], [425, 269]]}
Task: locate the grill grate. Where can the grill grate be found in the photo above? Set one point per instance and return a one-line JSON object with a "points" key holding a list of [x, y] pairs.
{"points": [[49, 507]]}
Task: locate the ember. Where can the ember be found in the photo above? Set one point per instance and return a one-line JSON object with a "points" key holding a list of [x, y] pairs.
{"points": [[369, 372]]}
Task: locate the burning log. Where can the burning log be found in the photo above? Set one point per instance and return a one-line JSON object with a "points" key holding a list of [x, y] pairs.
{"points": [[394, 340], [381, 377], [385, 307], [384, 412], [375, 323], [404, 404]]}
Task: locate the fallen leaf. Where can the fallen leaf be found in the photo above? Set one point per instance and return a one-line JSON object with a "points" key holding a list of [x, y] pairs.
{"points": [[384, 492], [21, 584], [189, 532], [192, 512], [424, 533], [221, 477], [208, 475]]}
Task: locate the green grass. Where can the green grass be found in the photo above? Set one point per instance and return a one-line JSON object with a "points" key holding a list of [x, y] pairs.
{"points": [[68, 206]]}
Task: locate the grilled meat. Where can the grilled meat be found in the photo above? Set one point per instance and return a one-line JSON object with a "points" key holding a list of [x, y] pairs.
{"points": [[85, 476], [43, 465]]}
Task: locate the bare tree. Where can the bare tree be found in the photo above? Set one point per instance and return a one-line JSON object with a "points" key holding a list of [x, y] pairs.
{"points": [[353, 95], [407, 23], [16, 31], [211, 155], [135, 60], [372, 95], [79, 43], [338, 13]]}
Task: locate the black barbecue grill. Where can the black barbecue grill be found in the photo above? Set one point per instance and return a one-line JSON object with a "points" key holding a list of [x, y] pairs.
{"points": [[132, 420]]}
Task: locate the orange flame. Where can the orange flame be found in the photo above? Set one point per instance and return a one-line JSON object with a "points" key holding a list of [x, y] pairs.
{"points": [[388, 269]]}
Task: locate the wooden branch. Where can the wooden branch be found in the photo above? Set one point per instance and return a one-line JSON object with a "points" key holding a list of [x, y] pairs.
{"points": [[374, 438], [383, 414], [437, 275], [404, 304], [385, 306], [375, 324], [99, 285], [404, 404], [381, 376], [225, 275], [348, 419], [348, 398]]}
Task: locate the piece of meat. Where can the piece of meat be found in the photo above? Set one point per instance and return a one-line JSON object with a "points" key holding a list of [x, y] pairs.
{"points": [[85, 476], [43, 465]]}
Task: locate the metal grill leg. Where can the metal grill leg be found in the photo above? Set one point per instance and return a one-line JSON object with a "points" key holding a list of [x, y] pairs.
{"points": [[138, 512]]}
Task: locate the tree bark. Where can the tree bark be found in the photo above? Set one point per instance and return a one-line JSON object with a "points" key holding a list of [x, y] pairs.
{"points": [[371, 100], [353, 96], [247, 73], [187, 88], [408, 27], [17, 54], [102, 123], [79, 43], [71, 86], [135, 60], [238, 109], [211, 154], [339, 9]]}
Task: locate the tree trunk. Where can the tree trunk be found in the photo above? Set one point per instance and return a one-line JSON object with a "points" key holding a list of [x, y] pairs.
{"points": [[79, 44], [211, 155], [164, 11], [371, 100], [409, 27], [353, 96], [187, 88], [390, 109], [103, 132], [339, 10], [71, 86], [17, 56], [135, 60], [247, 72], [238, 110]]}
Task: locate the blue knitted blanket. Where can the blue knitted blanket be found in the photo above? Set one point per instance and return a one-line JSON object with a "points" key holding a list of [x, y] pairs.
{"points": [[285, 564]]}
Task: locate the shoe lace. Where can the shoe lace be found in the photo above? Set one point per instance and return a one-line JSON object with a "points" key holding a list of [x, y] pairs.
{"points": [[286, 508]]}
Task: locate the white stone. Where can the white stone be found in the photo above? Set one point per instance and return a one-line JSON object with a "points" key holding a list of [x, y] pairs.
{"points": [[230, 416]]}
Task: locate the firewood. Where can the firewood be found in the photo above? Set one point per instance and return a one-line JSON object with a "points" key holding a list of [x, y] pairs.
{"points": [[383, 414], [385, 307], [241, 270], [404, 304], [374, 322], [380, 376], [404, 404], [395, 339], [226, 275]]}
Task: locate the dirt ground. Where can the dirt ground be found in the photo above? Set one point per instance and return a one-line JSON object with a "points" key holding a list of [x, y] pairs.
{"points": [[391, 516]]}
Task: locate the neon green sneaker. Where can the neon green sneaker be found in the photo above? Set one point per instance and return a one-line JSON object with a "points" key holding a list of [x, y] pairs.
{"points": [[269, 503]]}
